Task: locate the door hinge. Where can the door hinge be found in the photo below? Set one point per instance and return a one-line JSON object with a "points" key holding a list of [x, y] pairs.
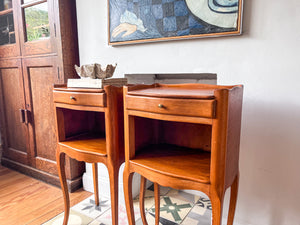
{"points": [[27, 116], [58, 74], [22, 115], [54, 29]]}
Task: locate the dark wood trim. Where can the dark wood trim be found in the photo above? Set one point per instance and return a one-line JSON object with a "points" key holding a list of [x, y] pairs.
{"points": [[66, 28], [4, 12]]}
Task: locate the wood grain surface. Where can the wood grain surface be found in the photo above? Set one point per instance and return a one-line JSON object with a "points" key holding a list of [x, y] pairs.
{"points": [[108, 148], [184, 136], [24, 200]]}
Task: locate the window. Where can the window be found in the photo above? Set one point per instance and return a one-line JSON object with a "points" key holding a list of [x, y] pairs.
{"points": [[7, 28], [36, 20]]}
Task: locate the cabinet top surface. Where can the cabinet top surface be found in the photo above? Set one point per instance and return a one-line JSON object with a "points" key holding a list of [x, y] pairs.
{"points": [[173, 92], [87, 90]]}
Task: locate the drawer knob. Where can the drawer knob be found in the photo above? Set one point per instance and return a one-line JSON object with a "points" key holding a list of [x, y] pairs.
{"points": [[160, 106], [72, 98]]}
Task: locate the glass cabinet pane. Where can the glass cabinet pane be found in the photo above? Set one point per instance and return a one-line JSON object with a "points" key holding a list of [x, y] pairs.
{"points": [[5, 4], [37, 22], [7, 29]]}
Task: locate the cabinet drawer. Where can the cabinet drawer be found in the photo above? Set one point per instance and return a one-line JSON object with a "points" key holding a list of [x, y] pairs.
{"points": [[184, 107], [77, 98]]}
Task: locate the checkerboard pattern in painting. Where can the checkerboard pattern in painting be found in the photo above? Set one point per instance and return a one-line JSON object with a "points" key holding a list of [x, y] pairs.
{"points": [[172, 16], [176, 207]]}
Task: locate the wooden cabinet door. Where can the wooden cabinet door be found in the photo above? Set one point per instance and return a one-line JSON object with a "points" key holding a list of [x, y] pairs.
{"points": [[9, 32], [12, 107], [36, 21], [40, 74]]}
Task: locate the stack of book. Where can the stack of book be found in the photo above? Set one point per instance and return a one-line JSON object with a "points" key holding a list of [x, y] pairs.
{"points": [[96, 83], [118, 82]]}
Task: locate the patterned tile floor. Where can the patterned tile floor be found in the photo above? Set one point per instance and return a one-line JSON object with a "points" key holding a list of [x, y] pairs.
{"points": [[176, 207]]}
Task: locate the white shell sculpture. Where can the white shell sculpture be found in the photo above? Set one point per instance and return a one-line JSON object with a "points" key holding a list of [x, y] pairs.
{"points": [[95, 71]]}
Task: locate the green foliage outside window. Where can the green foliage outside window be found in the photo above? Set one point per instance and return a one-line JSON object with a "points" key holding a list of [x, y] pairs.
{"points": [[37, 24]]}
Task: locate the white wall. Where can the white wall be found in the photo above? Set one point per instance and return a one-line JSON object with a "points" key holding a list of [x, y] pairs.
{"points": [[266, 60]]}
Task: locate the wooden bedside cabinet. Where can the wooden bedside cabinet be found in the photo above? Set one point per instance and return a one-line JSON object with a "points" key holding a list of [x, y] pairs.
{"points": [[90, 129], [183, 136]]}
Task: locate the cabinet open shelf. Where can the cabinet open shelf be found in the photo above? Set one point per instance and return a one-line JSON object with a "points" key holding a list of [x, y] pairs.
{"points": [[90, 142], [176, 161], [183, 136], [90, 129]]}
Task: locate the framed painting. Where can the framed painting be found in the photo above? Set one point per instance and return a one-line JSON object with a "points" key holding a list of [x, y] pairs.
{"points": [[135, 21]]}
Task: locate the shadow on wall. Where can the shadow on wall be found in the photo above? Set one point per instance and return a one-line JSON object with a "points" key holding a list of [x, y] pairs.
{"points": [[269, 164], [246, 19]]}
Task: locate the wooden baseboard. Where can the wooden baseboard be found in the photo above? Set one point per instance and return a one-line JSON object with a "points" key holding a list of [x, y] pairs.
{"points": [[73, 185]]}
